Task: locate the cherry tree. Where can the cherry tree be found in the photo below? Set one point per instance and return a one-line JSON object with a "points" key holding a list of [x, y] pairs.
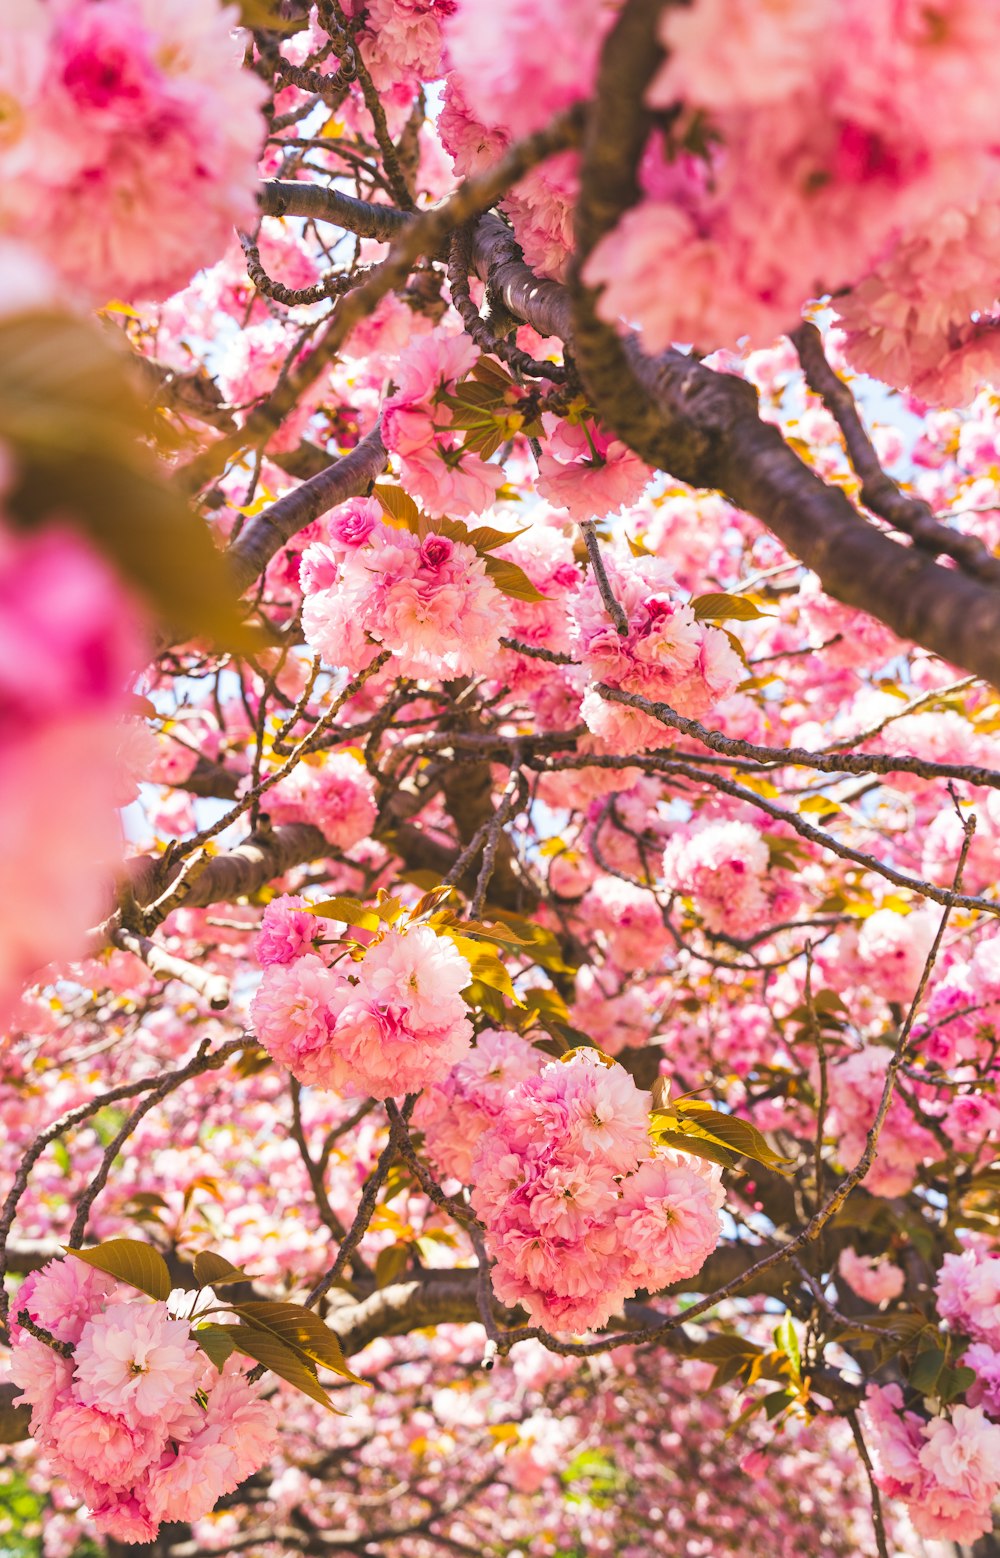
{"points": [[500, 778]]}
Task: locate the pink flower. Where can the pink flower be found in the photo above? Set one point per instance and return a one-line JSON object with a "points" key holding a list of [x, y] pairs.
{"points": [[454, 1113], [968, 1294], [292, 1014], [136, 1361], [62, 1295], [143, 115], [100, 1445], [874, 1281], [723, 867], [286, 931], [597, 475], [669, 1218]]}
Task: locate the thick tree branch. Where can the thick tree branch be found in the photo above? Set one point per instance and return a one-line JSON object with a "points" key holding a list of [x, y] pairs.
{"points": [[265, 535]]}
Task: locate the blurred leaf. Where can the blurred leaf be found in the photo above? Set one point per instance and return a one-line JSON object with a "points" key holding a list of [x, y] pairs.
{"points": [[786, 1341], [391, 1263], [79, 427], [130, 1261], [15, 1422], [265, 16]]}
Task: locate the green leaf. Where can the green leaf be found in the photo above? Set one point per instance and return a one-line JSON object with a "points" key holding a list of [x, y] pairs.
{"points": [[215, 1341], [926, 1369], [484, 538], [721, 607], [130, 1261], [511, 580], [954, 1382], [80, 431], [391, 1263], [349, 911], [286, 1362], [213, 1270], [299, 1328]]}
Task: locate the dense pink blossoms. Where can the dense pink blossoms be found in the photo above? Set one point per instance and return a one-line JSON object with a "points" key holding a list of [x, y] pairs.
{"points": [[455, 1112], [384, 1026], [968, 1294], [130, 138], [579, 1209], [724, 868], [945, 1470], [417, 425], [668, 655], [139, 1423], [430, 602]]}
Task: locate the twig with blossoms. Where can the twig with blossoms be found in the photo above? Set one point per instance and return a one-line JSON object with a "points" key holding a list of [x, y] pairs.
{"points": [[308, 743], [423, 235]]}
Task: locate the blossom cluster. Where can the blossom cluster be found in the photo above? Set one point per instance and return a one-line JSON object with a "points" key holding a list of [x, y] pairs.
{"points": [[334, 792], [120, 120], [668, 655], [725, 868], [817, 110], [417, 426], [946, 1470], [580, 1210], [131, 1412], [455, 1112], [390, 1023], [430, 602]]}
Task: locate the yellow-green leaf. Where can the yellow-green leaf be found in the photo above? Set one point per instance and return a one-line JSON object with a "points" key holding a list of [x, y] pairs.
{"points": [[398, 504], [349, 911], [484, 964], [511, 580], [739, 1135], [719, 607], [131, 1261]]}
